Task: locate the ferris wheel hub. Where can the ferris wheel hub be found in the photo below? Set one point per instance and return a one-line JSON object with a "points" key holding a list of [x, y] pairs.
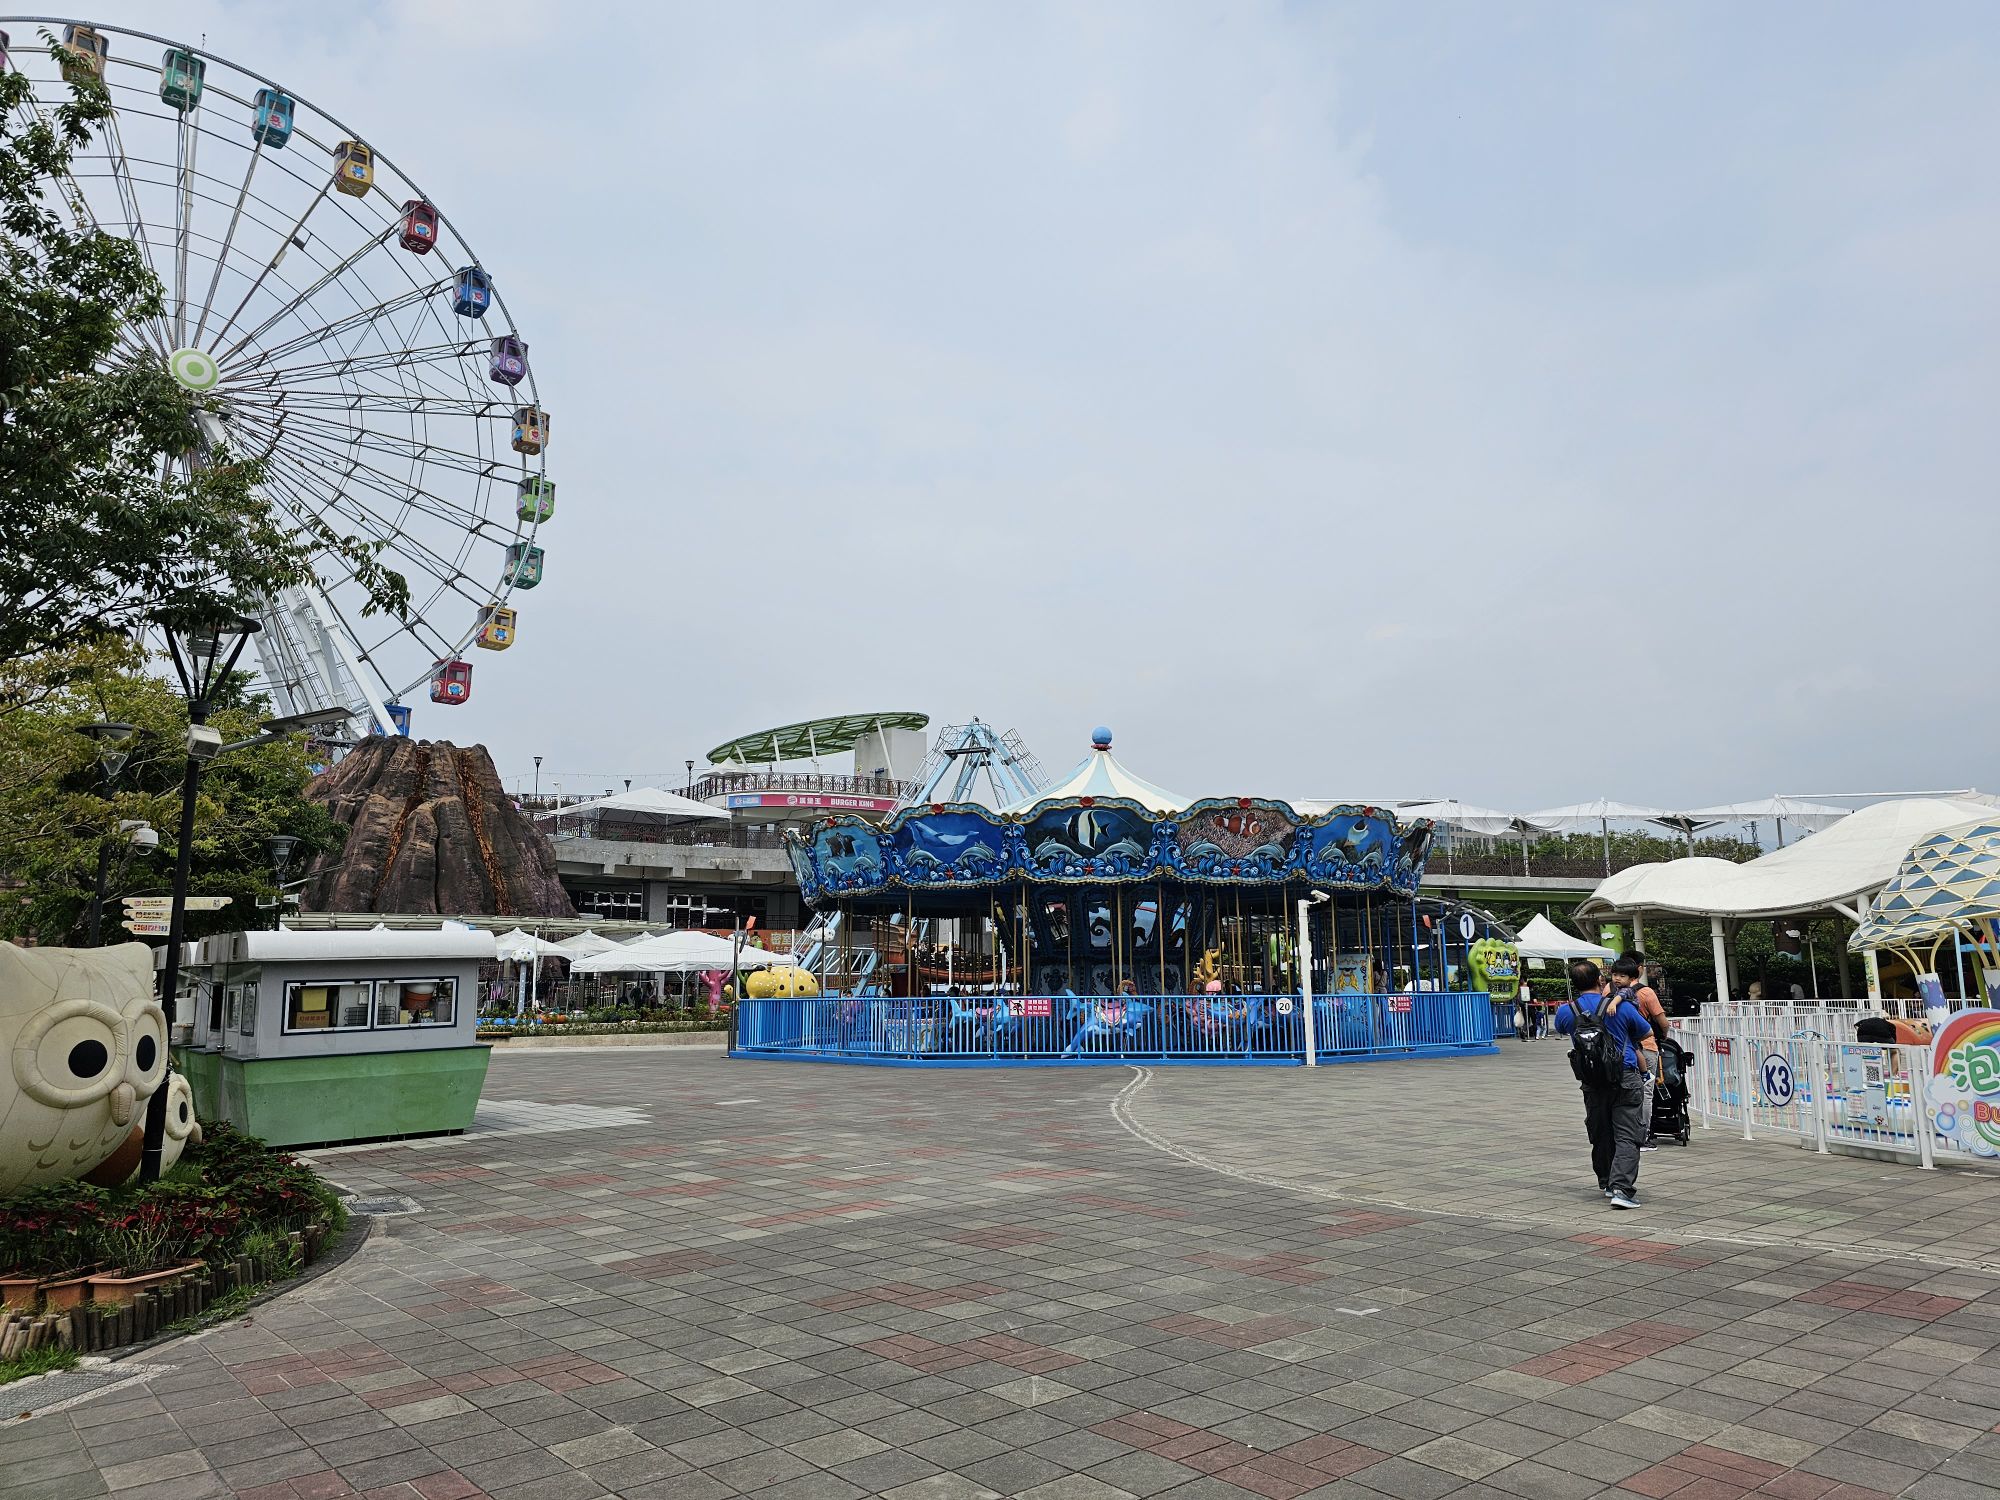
{"points": [[194, 368]]}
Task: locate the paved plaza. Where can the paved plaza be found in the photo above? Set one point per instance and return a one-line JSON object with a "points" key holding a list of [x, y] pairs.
{"points": [[808, 1282]]}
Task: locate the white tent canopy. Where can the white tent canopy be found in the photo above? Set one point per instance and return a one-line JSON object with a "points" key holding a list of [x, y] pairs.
{"points": [[1810, 816], [520, 947], [1486, 820], [1843, 866], [585, 943], [650, 800], [1541, 938], [1603, 810], [677, 953]]}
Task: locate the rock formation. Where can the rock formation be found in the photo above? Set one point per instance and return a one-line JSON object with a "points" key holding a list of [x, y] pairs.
{"points": [[429, 830]]}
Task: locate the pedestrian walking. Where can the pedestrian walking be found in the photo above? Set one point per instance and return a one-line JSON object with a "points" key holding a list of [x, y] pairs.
{"points": [[1605, 1033]]}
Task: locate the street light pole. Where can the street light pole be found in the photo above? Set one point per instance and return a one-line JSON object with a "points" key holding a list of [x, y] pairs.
{"points": [[538, 778], [204, 654], [111, 740]]}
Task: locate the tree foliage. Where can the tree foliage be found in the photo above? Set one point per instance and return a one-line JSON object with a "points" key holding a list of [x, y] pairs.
{"points": [[55, 808], [120, 507]]}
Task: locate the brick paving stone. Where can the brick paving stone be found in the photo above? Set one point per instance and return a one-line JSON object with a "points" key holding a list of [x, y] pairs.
{"points": [[945, 1286]]}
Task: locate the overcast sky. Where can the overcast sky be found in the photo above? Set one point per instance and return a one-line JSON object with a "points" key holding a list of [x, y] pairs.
{"points": [[1334, 399]]}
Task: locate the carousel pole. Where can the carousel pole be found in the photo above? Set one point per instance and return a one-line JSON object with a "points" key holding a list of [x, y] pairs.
{"points": [[1161, 930]]}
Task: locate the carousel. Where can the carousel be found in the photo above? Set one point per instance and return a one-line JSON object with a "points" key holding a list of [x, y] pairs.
{"points": [[1102, 905]]}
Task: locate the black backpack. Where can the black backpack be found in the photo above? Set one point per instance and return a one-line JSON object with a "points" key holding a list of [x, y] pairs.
{"points": [[1596, 1056]]}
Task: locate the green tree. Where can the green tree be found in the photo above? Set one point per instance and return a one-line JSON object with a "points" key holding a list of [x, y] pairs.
{"points": [[119, 505], [55, 809]]}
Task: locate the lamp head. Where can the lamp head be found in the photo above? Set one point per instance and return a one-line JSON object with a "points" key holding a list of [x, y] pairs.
{"points": [[280, 846], [114, 744], [204, 649]]}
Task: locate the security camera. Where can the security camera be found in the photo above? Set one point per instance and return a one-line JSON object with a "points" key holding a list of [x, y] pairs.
{"points": [[142, 835], [204, 742], [1319, 897]]}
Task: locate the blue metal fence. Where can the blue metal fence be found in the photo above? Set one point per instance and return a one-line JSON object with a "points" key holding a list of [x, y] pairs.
{"points": [[1046, 1029]]}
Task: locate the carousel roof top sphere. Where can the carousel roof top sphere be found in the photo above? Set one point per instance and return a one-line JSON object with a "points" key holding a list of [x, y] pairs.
{"points": [[1102, 774]]}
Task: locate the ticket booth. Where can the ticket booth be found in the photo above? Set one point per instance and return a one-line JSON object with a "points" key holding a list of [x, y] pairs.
{"points": [[314, 1038]]}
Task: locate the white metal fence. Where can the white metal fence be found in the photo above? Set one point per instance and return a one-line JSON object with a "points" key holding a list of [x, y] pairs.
{"points": [[1800, 1075]]}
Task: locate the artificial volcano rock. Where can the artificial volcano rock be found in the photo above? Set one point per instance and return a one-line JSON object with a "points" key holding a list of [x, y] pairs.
{"points": [[429, 830]]}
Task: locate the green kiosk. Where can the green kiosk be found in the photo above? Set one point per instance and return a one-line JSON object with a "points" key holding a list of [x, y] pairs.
{"points": [[317, 1038]]}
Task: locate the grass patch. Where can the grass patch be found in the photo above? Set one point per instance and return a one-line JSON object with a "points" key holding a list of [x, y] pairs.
{"points": [[221, 1310], [36, 1362]]}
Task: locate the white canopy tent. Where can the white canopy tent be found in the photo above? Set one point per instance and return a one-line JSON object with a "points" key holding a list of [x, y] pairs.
{"points": [[521, 946], [678, 953], [1811, 816], [1601, 814], [1541, 938], [640, 801], [585, 943], [1839, 869]]}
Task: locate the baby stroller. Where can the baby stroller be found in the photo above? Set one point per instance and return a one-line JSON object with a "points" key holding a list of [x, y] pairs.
{"points": [[1670, 1097]]}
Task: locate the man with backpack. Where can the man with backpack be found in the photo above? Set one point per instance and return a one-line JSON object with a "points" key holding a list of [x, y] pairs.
{"points": [[1606, 1034]]}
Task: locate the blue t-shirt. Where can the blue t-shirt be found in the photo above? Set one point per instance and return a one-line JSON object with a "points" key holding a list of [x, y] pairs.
{"points": [[1625, 1021]]}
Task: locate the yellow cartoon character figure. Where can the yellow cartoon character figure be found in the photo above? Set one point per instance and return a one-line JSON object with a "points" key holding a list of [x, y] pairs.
{"points": [[87, 1046]]}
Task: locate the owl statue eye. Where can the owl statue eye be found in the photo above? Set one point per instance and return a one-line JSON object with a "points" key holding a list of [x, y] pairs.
{"points": [[148, 1030], [67, 1055]]}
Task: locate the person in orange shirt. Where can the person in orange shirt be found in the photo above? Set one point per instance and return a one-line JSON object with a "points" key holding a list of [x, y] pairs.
{"points": [[1628, 981]]}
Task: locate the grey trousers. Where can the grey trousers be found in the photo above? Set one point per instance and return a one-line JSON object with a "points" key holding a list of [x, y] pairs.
{"points": [[1616, 1120]]}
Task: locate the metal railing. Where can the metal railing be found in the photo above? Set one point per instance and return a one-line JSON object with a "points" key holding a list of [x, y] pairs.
{"points": [[1022, 1029], [722, 783], [698, 836], [1826, 1093]]}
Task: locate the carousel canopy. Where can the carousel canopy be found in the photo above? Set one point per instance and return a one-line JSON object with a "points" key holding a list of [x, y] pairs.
{"points": [[1102, 774], [1947, 881], [645, 800]]}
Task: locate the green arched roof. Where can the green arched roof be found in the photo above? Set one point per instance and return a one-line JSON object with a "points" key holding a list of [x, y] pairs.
{"points": [[813, 737]]}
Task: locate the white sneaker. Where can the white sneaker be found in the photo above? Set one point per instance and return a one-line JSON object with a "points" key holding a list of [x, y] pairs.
{"points": [[1619, 1200]]}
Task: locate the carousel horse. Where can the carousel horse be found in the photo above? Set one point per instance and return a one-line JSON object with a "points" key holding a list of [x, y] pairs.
{"points": [[1105, 1016]]}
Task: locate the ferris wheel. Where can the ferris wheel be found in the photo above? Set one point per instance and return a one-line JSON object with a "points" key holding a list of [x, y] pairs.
{"points": [[339, 330]]}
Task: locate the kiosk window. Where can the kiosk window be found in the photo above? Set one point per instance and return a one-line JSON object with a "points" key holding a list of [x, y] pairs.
{"points": [[326, 1007], [416, 1002], [248, 1025]]}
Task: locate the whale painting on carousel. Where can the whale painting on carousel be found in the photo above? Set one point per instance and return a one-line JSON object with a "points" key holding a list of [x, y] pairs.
{"points": [[1248, 841]]}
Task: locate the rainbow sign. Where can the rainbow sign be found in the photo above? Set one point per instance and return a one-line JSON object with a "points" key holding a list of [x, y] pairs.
{"points": [[1965, 1081]]}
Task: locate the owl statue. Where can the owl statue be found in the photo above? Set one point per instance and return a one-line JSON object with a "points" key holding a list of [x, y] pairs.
{"points": [[87, 1046], [182, 1128]]}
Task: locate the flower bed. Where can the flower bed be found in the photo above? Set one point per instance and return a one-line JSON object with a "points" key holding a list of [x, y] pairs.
{"points": [[90, 1268]]}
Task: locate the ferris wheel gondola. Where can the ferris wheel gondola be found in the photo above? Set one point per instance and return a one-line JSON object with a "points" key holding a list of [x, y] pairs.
{"points": [[338, 330]]}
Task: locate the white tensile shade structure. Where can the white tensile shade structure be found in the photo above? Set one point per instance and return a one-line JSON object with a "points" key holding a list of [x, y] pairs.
{"points": [[1102, 774], [1840, 870], [1602, 814], [1489, 821], [1811, 816]]}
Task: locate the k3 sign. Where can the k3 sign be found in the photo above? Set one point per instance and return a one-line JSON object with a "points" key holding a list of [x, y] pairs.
{"points": [[1777, 1080]]}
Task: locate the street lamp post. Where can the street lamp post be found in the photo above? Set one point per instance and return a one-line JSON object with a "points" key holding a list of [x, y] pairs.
{"points": [[538, 780], [204, 654], [113, 750]]}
